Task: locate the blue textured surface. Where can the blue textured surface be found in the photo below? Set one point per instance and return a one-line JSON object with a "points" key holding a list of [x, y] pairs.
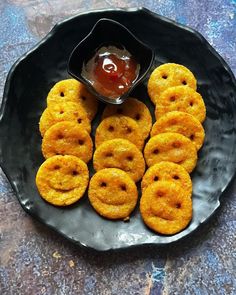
{"points": [[34, 260]]}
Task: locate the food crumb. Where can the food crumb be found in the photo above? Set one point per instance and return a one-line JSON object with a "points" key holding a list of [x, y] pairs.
{"points": [[71, 263], [56, 255], [126, 219]]}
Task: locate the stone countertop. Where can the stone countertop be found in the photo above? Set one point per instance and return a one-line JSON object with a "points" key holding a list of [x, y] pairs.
{"points": [[35, 260]]}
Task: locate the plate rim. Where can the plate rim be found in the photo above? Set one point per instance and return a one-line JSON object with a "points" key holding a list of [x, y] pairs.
{"points": [[38, 44]]}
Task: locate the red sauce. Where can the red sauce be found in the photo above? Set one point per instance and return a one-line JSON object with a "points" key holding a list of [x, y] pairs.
{"points": [[111, 71]]}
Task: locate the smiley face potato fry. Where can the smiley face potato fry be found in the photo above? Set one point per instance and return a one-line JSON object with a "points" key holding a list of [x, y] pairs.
{"points": [[112, 193], [62, 180]]}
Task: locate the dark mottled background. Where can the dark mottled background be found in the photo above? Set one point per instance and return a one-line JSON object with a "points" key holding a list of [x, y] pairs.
{"points": [[35, 260]]}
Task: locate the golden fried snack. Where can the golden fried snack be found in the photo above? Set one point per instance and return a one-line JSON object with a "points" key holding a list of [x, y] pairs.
{"points": [[181, 98], [120, 153], [112, 193], [73, 90], [167, 171], [119, 127], [180, 122], [67, 138], [171, 147], [169, 75], [62, 180], [166, 207], [134, 109], [66, 111]]}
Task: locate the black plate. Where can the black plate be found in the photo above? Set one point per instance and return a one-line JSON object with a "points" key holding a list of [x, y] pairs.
{"points": [[24, 100]]}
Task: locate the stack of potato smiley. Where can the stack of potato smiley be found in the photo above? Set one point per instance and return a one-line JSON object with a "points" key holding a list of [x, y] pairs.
{"points": [[170, 153], [66, 145], [118, 158]]}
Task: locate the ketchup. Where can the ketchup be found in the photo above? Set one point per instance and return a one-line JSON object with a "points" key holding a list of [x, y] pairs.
{"points": [[111, 71]]}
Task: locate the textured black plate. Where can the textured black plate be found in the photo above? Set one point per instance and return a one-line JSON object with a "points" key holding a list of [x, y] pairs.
{"points": [[24, 100]]}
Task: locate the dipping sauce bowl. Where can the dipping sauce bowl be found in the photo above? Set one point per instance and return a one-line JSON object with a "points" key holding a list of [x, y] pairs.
{"points": [[110, 61]]}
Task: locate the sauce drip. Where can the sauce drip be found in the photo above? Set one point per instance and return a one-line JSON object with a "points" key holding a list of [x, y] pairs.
{"points": [[111, 71]]}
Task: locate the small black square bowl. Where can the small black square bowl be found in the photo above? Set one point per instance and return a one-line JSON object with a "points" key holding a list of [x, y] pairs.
{"points": [[109, 32]]}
